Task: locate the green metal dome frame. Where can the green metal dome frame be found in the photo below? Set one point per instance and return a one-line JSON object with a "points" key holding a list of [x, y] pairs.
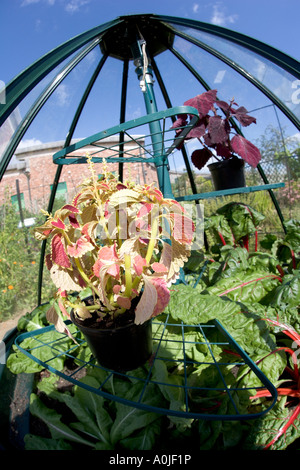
{"points": [[123, 39], [115, 39]]}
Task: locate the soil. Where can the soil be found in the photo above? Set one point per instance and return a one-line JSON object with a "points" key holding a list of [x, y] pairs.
{"points": [[21, 421], [9, 325], [109, 322]]}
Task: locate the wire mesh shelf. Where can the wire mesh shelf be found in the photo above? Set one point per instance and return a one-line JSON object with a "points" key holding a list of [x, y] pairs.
{"points": [[117, 144], [186, 361]]}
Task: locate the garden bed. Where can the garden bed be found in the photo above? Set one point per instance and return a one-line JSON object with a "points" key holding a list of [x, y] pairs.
{"points": [[254, 294]]}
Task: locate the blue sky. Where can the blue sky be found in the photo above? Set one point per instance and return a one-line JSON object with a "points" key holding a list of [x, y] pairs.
{"points": [[30, 28]]}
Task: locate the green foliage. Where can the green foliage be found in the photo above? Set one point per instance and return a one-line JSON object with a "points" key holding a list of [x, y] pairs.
{"points": [[19, 264], [254, 295]]}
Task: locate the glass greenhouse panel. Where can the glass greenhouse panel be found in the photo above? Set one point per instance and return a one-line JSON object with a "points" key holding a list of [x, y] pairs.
{"points": [[279, 82], [21, 118]]}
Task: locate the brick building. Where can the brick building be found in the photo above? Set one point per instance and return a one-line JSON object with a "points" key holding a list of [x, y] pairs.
{"points": [[33, 171]]}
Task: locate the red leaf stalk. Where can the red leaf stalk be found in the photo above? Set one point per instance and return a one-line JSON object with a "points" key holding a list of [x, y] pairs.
{"points": [[222, 238], [284, 428], [249, 282]]}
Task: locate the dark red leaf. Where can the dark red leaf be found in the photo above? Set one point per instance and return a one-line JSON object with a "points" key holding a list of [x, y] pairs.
{"points": [[218, 129], [204, 102], [207, 141], [223, 150], [197, 132], [180, 121], [223, 105], [200, 157], [48, 261], [70, 208], [73, 221], [246, 150], [241, 114]]}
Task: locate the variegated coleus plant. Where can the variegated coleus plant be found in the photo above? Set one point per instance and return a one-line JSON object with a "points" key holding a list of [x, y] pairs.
{"points": [[122, 240]]}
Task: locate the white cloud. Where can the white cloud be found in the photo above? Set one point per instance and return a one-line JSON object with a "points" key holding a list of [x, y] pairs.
{"points": [[28, 2], [29, 143], [70, 6], [219, 16], [38, 25], [196, 7], [25, 3], [74, 5], [62, 95]]}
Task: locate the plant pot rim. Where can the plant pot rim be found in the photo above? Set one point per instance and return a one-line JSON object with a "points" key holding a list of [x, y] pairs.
{"points": [[237, 162], [111, 330]]}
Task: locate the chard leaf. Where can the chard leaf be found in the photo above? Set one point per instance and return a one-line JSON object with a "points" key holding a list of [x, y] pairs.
{"points": [[242, 219], [43, 443], [288, 293], [172, 389], [143, 439], [52, 419], [265, 429], [35, 319], [243, 324], [93, 419], [130, 419], [293, 233], [252, 286], [216, 225], [18, 362]]}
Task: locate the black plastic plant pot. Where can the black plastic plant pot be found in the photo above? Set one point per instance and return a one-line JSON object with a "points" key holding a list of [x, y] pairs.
{"points": [[120, 349], [228, 174]]}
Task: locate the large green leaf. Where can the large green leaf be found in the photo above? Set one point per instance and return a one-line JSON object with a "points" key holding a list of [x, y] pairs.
{"points": [[89, 409], [241, 322], [18, 362], [44, 443], [264, 430], [288, 293], [172, 388], [143, 439], [129, 419], [251, 286], [242, 219], [52, 419]]}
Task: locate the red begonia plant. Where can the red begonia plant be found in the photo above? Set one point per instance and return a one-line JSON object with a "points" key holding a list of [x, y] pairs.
{"points": [[214, 132]]}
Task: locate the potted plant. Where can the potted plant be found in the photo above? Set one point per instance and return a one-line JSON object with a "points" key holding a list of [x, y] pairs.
{"points": [[125, 243], [220, 140]]}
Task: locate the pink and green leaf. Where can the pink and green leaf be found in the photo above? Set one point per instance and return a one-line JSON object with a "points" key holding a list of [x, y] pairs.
{"points": [[80, 247], [58, 252]]}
